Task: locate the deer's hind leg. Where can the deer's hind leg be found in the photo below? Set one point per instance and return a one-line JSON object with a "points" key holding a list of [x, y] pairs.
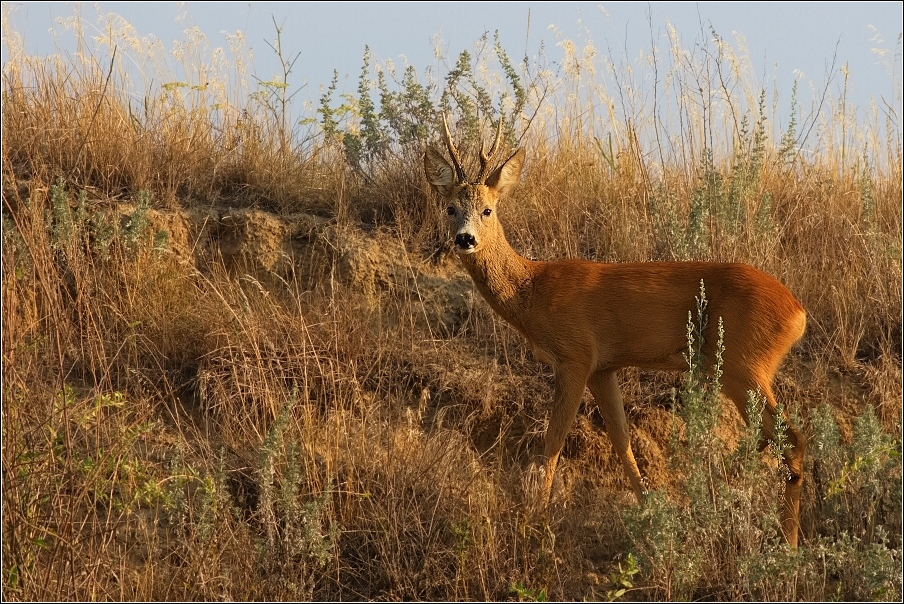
{"points": [[609, 401], [736, 389]]}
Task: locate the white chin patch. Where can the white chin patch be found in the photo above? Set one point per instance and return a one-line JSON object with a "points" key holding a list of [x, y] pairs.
{"points": [[465, 250]]}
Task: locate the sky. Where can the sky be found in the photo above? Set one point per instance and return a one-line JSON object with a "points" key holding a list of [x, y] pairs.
{"points": [[784, 39]]}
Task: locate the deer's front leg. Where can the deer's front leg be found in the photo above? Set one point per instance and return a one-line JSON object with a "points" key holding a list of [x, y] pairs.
{"points": [[604, 386], [570, 382]]}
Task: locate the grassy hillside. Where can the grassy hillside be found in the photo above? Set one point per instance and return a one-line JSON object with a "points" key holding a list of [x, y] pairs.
{"points": [[241, 362]]}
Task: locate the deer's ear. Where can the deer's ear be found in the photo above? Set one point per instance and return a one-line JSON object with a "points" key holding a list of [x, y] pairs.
{"points": [[438, 172], [506, 176]]}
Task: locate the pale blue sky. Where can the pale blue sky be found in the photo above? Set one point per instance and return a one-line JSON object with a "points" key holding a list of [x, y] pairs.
{"points": [[781, 37]]}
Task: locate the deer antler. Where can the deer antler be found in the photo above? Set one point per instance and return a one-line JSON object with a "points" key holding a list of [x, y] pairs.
{"points": [[456, 158], [486, 158]]}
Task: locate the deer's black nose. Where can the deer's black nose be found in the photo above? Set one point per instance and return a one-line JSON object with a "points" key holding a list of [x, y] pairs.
{"points": [[465, 241]]}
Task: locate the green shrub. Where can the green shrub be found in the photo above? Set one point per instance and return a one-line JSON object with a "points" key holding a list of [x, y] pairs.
{"points": [[717, 534]]}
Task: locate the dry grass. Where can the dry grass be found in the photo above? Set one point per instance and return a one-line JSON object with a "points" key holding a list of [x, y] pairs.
{"points": [[235, 367]]}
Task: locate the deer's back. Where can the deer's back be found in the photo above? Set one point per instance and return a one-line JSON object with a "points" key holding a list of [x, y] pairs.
{"points": [[636, 313]]}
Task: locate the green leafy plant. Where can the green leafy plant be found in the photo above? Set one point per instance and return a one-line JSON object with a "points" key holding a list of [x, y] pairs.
{"points": [[525, 593], [622, 578]]}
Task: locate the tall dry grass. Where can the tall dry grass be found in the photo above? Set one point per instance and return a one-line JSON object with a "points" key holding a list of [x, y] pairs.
{"points": [[239, 364]]}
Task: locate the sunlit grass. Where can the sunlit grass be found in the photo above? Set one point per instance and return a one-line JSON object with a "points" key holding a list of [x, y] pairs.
{"points": [[239, 363]]}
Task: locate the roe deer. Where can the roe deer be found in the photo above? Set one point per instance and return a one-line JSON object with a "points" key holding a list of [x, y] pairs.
{"points": [[587, 319]]}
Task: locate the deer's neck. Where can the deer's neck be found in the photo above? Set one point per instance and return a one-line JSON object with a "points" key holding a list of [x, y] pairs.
{"points": [[503, 278]]}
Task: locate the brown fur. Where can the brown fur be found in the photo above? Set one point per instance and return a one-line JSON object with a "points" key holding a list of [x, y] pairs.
{"points": [[587, 319]]}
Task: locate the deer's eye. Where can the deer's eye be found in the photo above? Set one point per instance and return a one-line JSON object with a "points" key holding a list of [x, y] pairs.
{"points": [[487, 212], [450, 210]]}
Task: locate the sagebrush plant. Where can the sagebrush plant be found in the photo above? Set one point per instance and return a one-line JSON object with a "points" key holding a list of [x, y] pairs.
{"points": [[300, 535], [727, 500], [724, 500], [238, 364]]}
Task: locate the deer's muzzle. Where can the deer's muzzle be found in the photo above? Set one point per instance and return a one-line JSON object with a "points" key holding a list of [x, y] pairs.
{"points": [[465, 243]]}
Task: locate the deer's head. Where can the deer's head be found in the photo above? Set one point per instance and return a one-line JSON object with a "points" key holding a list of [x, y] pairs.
{"points": [[471, 204]]}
